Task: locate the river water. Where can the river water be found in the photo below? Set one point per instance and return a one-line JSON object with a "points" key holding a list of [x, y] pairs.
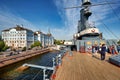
{"points": [[11, 73]]}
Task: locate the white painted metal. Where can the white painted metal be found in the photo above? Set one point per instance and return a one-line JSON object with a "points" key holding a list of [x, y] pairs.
{"points": [[36, 66], [87, 31]]}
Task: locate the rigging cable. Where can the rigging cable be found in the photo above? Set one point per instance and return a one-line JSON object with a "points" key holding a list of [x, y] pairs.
{"points": [[105, 26], [113, 10]]}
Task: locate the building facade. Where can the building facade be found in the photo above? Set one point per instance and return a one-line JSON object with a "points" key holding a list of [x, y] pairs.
{"points": [[45, 39], [18, 36]]}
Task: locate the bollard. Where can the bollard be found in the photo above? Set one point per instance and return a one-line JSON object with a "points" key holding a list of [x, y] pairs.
{"points": [[44, 75], [54, 63], [59, 60]]}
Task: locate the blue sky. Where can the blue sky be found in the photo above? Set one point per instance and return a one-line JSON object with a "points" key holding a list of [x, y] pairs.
{"points": [[50, 14]]}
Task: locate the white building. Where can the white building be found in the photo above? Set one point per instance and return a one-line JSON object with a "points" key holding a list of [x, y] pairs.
{"points": [[21, 37], [45, 39], [18, 37]]}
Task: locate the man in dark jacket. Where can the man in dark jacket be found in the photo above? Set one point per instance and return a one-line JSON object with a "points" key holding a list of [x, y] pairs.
{"points": [[103, 51], [118, 48]]}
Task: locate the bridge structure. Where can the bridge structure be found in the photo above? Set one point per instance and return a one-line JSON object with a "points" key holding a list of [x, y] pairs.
{"points": [[88, 34]]}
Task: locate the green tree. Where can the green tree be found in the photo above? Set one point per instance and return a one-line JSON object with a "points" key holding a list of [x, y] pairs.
{"points": [[24, 48], [5, 48], [2, 44], [58, 42], [32, 46], [36, 43]]}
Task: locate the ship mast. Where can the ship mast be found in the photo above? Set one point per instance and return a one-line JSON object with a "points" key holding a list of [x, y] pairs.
{"points": [[85, 30], [84, 15]]}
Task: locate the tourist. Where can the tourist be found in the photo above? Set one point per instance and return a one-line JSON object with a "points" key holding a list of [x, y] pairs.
{"points": [[11, 53], [112, 50], [93, 51], [108, 49], [99, 48], [96, 48], [118, 48], [103, 51]]}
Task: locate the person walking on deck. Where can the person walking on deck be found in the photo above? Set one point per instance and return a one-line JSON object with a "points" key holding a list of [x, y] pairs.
{"points": [[93, 51], [103, 51], [112, 49], [99, 48], [96, 49]]}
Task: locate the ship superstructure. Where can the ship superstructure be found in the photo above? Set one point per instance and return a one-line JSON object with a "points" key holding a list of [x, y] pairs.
{"points": [[86, 30], [88, 34]]}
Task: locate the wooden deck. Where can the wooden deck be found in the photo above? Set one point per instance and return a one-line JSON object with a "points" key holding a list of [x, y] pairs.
{"points": [[82, 66]]}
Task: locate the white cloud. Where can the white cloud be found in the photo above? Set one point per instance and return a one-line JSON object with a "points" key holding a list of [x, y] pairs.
{"points": [[8, 19], [70, 17]]}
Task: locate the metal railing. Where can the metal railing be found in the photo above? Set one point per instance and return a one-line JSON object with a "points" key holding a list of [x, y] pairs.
{"points": [[57, 61]]}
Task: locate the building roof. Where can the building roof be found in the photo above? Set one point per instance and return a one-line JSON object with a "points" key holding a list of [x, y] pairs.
{"points": [[18, 28], [49, 34], [35, 33], [6, 29], [38, 32]]}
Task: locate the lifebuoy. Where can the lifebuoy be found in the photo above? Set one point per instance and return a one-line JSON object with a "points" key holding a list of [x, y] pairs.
{"points": [[89, 48], [93, 30]]}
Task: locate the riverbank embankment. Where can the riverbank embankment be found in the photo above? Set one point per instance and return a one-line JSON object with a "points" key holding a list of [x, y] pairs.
{"points": [[5, 61]]}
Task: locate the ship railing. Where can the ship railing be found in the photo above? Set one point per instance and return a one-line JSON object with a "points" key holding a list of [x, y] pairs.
{"points": [[57, 61]]}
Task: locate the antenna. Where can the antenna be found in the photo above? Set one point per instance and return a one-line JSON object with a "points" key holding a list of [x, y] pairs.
{"points": [[48, 30], [89, 5], [22, 25]]}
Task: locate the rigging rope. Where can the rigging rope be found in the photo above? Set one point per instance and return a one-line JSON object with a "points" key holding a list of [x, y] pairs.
{"points": [[113, 10], [106, 26]]}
